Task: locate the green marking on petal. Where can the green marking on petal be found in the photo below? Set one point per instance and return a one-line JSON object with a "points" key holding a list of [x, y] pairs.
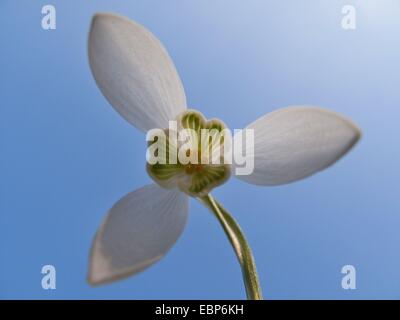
{"points": [[210, 177]]}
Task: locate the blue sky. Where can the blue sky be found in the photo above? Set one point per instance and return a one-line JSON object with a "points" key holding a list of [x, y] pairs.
{"points": [[66, 156]]}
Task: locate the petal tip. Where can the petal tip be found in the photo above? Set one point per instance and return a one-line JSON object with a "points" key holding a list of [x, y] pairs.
{"points": [[94, 277], [355, 130], [97, 280], [98, 17], [104, 15], [100, 274], [92, 281], [104, 18]]}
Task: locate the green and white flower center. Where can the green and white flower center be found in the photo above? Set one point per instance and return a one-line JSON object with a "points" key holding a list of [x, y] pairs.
{"points": [[189, 155]]}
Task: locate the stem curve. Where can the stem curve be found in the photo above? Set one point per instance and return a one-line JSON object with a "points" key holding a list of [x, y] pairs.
{"points": [[239, 244]]}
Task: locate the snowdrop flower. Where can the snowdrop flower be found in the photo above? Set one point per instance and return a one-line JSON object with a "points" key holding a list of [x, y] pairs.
{"points": [[135, 73]]}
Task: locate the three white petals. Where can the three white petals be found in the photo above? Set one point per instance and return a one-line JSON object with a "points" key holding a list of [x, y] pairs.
{"points": [[136, 75]]}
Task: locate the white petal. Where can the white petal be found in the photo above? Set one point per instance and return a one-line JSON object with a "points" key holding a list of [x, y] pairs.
{"points": [[139, 229], [134, 71], [295, 142]]}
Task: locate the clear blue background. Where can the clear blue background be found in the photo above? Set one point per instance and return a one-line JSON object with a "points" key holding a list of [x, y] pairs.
{"points": [[67, 156]]}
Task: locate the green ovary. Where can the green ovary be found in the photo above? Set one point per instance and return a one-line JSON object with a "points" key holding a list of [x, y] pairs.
{"points": [[196, 176]]}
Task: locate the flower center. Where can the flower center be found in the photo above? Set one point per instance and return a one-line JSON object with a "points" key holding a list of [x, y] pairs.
{"points": [[191, 168], [193, 155]]}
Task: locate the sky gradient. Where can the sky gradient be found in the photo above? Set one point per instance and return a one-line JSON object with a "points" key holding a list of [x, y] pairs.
{"points": [[66, 156]]}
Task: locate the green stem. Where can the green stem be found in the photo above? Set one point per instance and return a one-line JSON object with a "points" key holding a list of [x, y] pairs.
{"points": [[239, 244]]}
